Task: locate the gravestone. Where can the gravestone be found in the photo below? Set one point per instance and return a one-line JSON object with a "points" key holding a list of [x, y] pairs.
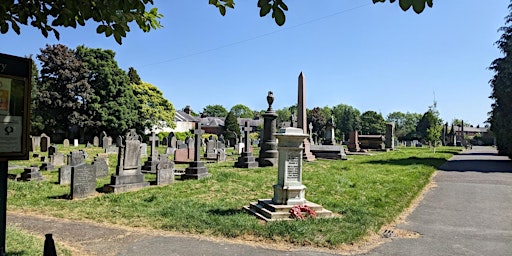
{"points": [[36, 143], [143, 149], [74, 158], [353, 142], [302, 118], [196, 169], [44, 142], [75, 143], [329, 133], [310, 129], [103, 135], [31, 174], [268, 144], [390, 136], [106, 142], [289, 190], [172, 140], [333, 152], [57, 159], [112, 149], [51, 150], [128, 171], [96, 141], [83, 181], [246, 160], [372, 142], [191, 147], [211, 149], [101, 166], [65, 143], [165, 142], [150, 164], [164, 171]]}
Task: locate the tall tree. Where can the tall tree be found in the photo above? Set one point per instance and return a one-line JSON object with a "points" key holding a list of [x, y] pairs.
{"points": [[114, 104], [154, 111], [231, 127], [36, 119], [65, 95], [318, 119], [243, 111], [134, 76], [283, 115], [429, 120], [347, 119], [460, 122], [372, 123], [501, 115], [215, 111], [405, 123]]}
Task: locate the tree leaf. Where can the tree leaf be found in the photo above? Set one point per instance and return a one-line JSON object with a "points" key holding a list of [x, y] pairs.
{"points": [[418, 6], [405, 4], [265, 9], [279, 16]]}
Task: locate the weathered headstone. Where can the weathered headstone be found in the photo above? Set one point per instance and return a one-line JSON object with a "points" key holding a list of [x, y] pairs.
{"points": [[74, 158], [150, 164], [172, 140], [36, 143], [96, 141], [65, 143], [196, 169], [51, 150], [353, 142], [246, 160], [289, 190], [302, 118], [329, 133], [128, 171], [191, 144], [101, 166], [143, 149], [390, 136], [57, 159], [106, 142], [112, 149], [164, 171], [103, 135], [211, 149], [44, 142], [83, 181]]}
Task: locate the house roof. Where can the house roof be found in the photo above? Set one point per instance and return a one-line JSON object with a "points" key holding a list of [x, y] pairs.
{"points": [[181, 116], [472, 129], [212, 121]]}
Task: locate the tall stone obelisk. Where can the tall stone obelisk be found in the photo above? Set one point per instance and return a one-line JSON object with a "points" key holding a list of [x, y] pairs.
{"points": [[302, 118]]}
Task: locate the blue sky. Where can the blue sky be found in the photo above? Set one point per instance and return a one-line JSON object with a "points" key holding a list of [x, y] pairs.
{"points": [[372, 57]]}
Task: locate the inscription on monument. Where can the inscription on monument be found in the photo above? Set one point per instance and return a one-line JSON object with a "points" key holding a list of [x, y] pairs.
{"points": [[292, 170]]}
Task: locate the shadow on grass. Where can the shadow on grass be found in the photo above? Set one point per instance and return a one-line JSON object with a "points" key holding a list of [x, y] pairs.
{"points": [[434, 162], [65, 196], [16, 253], [225, 212]]}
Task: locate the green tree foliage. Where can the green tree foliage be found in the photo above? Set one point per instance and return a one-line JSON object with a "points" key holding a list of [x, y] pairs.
{"points": [[283, 115], [434, 135], [372, 123], [64, 95], [318, 118], [405, 124], [36, 120], [134, 76], [242, 111], [347, 119], [113, 17], [154, 110], [114, 104], [231, 128], [278, 7], [429, 120], [215, 111], [501, 115], [460, 122]]}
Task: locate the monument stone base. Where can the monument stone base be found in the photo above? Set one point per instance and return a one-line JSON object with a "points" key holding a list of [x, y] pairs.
{"points": [[124, 183], [247, 160], [150, 166], [195, 171], [266, 210]]}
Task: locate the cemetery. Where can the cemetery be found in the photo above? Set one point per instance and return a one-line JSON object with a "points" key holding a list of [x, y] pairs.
{"points": [[183, 184]]}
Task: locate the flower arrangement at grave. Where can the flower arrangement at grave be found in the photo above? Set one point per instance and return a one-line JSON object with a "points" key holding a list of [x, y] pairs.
{"points": [[301, 212]]}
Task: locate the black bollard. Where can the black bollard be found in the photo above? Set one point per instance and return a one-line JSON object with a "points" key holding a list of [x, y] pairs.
{"points": [[49, 246]]}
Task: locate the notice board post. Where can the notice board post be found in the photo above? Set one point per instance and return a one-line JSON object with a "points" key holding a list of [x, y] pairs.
{"points": [[15, 88]]}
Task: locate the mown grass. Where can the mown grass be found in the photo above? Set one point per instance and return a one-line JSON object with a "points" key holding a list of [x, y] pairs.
{"points": [[367, 192], [19, 242]]}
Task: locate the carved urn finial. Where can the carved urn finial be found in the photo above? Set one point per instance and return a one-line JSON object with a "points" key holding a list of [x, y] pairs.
{"points": [[270, 100]]}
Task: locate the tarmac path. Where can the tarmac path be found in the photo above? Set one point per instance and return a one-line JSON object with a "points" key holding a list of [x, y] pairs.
{"points": [[469, 212]]}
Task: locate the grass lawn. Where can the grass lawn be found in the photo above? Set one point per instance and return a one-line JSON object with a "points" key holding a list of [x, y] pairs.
{"points": [[366, 192], [20, 243]]}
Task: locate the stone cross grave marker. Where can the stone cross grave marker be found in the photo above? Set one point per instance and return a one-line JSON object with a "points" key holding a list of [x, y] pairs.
{"points": [[246, 160], [196, 169], [150, 164]]}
